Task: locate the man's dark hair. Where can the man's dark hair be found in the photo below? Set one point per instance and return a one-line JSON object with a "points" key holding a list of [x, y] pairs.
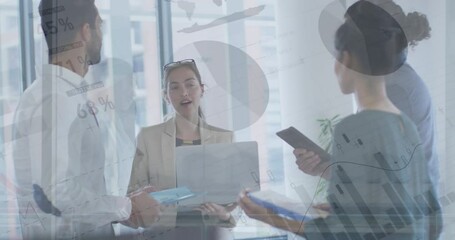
{"points": [[62, 19]]}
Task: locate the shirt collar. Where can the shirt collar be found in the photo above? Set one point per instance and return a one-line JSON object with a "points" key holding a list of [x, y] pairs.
{"points": [[71, 78]]}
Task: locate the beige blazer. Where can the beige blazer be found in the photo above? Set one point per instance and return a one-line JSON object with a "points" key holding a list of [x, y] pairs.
{"points": [[154, 161]]}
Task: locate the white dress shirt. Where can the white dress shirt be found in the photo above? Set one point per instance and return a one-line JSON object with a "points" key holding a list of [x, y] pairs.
{"points": [[58, 146]]}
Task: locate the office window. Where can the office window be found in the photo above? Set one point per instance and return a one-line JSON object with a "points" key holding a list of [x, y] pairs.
{"points": [[242, 92], [146, 64], [129, 51], [256, 39], [130, 36], [198, 32], [11, 88], [143, 5]]}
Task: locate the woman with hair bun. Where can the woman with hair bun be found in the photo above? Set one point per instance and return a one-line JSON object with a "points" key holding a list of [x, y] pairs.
{"points": [[405, 89], [379, 183]]}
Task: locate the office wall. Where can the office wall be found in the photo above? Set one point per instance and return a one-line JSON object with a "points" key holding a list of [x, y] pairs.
{"points": [[308, 86]]}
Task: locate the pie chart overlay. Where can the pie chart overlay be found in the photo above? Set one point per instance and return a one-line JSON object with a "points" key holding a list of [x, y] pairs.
{"points": [[236, 89]]}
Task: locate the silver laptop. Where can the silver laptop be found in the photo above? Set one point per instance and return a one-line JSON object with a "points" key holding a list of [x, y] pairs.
{"points": [[217, 172]]}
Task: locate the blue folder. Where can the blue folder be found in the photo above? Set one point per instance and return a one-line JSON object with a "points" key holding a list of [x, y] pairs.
{"points": [[283, 206], [173, 195]]}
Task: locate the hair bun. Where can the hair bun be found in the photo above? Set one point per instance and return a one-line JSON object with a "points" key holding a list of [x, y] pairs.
{"points": [[418, 28]]}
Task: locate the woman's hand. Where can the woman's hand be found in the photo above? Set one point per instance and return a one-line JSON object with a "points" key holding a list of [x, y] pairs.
{"points": [[323, 207], [213, 209], [310, 163], [252, 209], [264, 215]]}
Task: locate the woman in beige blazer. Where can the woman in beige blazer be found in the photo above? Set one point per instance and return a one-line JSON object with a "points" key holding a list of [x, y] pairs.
{"points": [[154, 163]]}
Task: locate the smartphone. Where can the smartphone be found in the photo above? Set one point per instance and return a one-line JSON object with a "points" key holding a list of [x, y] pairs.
{"points": [[297, 140]]}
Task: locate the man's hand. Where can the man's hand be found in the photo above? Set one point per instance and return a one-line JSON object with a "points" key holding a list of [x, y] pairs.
{"points": [[145, 210], [310, 163], [213, 209]]}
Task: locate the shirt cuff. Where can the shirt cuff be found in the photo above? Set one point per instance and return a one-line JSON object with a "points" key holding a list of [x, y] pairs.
{"points": [[124, 208], [230, 223]]}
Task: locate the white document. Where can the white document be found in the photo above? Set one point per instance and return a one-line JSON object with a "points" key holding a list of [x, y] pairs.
{"points": [[219, 171]]}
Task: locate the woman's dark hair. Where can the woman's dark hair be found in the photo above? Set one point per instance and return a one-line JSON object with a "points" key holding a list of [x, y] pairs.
{"points": [[62, 19], [190, 65], [377, 33]]}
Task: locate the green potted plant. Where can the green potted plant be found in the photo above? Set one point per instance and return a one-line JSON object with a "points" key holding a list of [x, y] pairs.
{"points": [[326, 125]]}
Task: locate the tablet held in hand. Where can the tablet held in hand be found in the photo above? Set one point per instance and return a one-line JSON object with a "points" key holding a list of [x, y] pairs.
{"points": [[296, 139]]}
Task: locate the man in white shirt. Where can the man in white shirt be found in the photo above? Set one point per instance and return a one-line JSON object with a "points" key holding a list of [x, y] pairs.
{"points": [[58, 152]]}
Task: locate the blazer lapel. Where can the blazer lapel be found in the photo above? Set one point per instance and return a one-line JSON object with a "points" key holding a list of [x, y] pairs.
{"points": [[167, 150], [206, 133]]}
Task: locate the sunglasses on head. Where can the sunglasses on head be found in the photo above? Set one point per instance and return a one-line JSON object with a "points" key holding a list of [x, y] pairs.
{"points": [[178, 63]]}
